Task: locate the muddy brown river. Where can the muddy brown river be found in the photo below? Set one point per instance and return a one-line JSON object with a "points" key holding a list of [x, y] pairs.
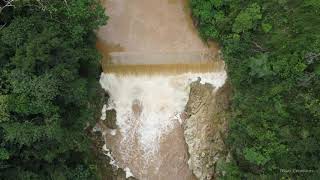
{"points": [[143, 37], [149, 25]]}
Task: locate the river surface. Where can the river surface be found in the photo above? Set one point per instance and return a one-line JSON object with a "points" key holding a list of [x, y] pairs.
{"points": [[149, 25], [152, 53]]}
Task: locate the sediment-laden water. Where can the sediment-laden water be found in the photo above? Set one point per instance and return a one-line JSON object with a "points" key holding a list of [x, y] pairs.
{"points": [[151, 55]]}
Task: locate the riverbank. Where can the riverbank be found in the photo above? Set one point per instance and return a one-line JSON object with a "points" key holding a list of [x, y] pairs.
{"points": [[271, 49], [205, 128]]}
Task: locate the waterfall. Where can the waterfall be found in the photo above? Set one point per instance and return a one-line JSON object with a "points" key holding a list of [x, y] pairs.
{"points": [[151, 53], [148, 108]]}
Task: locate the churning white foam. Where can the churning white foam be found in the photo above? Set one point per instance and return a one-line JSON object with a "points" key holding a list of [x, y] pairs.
{"points": [[104, 112], [160, 100]]}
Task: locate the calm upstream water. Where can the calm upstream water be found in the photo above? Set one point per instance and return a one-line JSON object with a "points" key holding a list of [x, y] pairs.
{"points": [[151, 55]]}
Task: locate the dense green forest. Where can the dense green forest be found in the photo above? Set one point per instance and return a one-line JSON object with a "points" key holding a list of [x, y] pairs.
{"points": [[272, 52], [48, 82]]}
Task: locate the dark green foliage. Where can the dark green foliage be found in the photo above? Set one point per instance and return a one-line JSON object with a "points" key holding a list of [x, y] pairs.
{"points": [[272, 51], [48, 86]]}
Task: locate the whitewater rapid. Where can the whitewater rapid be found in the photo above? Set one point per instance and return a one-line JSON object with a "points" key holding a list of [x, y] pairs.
{"points": [[149, 108]]}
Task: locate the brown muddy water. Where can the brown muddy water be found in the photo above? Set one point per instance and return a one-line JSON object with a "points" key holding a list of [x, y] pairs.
{"points": [[149, 25], [153, 32], [165, 69], [151, 53]]}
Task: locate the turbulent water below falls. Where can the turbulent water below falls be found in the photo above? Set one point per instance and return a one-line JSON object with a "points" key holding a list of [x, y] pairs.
{"points": [[149, 116], [148, 47]]}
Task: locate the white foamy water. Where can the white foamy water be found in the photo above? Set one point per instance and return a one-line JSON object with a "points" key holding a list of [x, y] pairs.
{"points": [[160, 99], [103, 112]]}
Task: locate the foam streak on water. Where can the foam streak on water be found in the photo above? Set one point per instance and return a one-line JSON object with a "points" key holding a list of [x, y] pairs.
{"points": [[160, 100]]}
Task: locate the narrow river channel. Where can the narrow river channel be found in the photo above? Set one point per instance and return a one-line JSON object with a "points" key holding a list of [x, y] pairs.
{"points": [[152, 53]]}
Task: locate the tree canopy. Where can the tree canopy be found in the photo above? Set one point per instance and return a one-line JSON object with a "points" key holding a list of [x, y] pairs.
{"points": [[48, 71], [272, 52]]}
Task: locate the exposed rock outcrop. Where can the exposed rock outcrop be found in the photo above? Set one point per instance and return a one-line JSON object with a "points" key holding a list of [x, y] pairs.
{"points": [[205, 127], [105, 125], [105, 170], [111, 119]]}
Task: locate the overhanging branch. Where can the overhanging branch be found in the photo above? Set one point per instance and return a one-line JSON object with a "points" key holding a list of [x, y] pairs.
{"points": [[7, 3]]}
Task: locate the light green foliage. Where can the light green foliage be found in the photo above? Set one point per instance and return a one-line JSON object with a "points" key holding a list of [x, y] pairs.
{"points": [[247, 19], [259, 66], [272, 52], [4, 154], [48, 88], [266, 27], [255, 157]]}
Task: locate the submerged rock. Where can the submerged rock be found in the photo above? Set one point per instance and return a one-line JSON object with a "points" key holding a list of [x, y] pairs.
{"points": [[206, 127]]}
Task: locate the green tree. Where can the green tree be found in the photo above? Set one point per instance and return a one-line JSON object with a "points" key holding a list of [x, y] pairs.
{"points": [[48, 70], [247, 19], [272, 52]]}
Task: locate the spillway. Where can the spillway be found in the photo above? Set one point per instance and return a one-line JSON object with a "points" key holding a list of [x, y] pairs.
{"points": [[151, 54]]}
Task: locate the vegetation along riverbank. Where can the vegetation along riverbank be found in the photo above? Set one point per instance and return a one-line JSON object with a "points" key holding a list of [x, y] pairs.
{"points": [[272, 53], [48, 88]]}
